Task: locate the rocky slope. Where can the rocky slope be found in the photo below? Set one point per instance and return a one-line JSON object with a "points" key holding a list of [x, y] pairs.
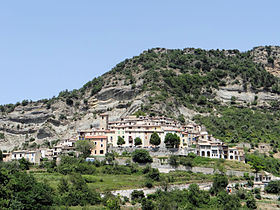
{"points": [[159, 81]]}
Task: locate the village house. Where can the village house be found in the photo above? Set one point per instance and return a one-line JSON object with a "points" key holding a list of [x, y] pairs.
{"points": [[47, 153], [7, 156], [100, 145], [31, 156]]}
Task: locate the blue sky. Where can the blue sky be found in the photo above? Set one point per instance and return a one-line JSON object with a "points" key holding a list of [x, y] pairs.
{"points": [[49, 46]]}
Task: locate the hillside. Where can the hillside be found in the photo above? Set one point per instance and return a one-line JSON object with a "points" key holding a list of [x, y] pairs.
{"points": [[211, 87]]}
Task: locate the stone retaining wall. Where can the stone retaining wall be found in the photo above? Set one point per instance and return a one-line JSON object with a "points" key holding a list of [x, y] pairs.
{"points": [[154, 151]]}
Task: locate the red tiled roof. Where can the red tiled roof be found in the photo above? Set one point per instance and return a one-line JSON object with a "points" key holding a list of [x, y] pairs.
{"points": [[96, 137]]}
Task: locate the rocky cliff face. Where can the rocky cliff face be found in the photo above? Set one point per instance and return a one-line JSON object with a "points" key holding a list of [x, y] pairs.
{"points": [[122, 93]]}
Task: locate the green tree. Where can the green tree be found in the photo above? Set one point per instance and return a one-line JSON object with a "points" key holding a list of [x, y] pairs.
{"points": [[1, 156], [63, 186], [251, 201], [141, 156], [85, 147], [113, 204], [220, 183], [174, 160], [155, 139], [24, 164], [110, 157], [137, 141], [20, 190], [147, 204], [172, 140], [256, 163], [79, 193], [226, 201], [273, 187], [120, 141]]}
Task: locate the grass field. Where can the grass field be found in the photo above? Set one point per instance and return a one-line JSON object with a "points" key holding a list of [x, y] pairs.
{"points": [[268, 204], [101, 183], [111, 182]]}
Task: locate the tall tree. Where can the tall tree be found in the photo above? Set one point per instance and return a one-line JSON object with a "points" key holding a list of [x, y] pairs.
{"points": [[85, 147], [172, 140], [155, 139], [137, 141], [256, 163], [120, 141]]}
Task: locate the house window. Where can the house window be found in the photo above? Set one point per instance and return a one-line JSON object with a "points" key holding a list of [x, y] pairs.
{"points": [[101, 152], [20, 155], [101, 145], [94, 151]]}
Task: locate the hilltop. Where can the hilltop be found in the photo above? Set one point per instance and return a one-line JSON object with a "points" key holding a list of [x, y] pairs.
{"points": [[234, 94]]}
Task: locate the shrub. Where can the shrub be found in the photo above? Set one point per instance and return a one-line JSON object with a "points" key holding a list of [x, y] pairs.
{"points": [[69, 102], [137, 195], [273, 187], [149, 183], [174, 160], [154, 174], [251, 202], [250, 183]]}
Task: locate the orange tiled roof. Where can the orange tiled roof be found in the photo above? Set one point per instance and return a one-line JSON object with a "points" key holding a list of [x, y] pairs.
{"points": [[96, 137]]}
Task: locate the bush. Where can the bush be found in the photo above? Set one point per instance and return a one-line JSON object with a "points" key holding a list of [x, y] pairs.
{"points": [[250, 183], [137, 195], [69, 102], [251, 202], [149, 183], [273, 187], [141, 156], [154, 174], [174, 160], [70, 165]]}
